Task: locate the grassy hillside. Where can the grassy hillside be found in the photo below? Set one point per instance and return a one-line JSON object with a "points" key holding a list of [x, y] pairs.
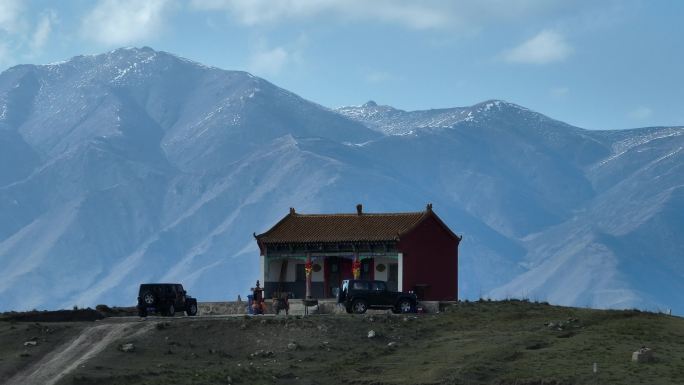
{"points": [[471, 343]]}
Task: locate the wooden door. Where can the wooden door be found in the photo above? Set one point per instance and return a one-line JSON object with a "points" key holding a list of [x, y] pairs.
{"points": [[346, 268], [367, 267], [393, 277], [336, 270], [332, 276], [299, 288]]}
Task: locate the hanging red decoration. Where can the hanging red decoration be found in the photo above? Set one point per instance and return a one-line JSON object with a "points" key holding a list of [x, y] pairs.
{"points": [[356, 268], [308, 267]]}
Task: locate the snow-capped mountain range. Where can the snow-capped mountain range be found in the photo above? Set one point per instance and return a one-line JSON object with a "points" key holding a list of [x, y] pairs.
{"points": [[137, 165], [392, 121]]}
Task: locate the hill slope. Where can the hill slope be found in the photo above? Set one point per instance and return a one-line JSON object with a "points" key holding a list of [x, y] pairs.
{"points": [[505, 343]]}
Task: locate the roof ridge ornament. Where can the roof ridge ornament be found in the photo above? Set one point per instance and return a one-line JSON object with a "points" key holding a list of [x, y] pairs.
{"points": [[429, 207], [292, 211], [359, 209]]}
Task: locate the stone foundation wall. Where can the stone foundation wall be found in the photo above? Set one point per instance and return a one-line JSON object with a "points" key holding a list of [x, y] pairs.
{"points": [[222, 308], [296, 307]]}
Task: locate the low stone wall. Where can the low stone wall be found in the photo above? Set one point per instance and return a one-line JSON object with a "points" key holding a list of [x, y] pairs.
{"points": [[330, 307], [222, 308], [429, 306], [296, 307]]}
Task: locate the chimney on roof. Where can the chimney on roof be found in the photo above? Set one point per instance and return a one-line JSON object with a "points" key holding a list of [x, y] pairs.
{"points": [[359, 209], [292, 210], [429, 207]]}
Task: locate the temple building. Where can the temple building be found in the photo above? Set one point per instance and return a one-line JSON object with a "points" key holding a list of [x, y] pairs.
{"points": [[310, 254]]}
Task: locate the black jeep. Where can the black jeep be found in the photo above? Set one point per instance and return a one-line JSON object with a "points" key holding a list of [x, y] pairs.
{"points": [[361, 295], [165, 298]]}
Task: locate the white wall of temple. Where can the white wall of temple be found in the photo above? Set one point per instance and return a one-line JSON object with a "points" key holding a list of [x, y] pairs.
{"points": [[382, 275], [275, 266], [318, 276]]}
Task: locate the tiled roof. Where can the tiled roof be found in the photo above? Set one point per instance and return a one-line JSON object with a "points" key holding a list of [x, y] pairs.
{"points": [[308, 228]]}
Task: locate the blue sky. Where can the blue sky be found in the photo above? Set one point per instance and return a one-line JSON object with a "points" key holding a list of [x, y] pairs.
{"points": [[595, 64]]}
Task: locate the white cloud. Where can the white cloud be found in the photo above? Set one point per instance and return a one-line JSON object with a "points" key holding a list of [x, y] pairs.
{"points": [[254, 12], [559, 92], [269, 61], [378, 76], [641, 113], [545, 47], [12, 30], [42, 31], [419, 15], [116, 22], [10, 13]]}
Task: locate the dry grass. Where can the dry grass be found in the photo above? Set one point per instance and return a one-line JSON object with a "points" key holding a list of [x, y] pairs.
{"points": [[476, 343]]}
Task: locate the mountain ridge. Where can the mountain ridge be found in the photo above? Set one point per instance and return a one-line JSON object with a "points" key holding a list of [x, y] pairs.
{"points": [[137, 165]]}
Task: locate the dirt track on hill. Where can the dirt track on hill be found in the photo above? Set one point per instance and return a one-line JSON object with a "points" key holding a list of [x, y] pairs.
{"points": [[68, 357]]}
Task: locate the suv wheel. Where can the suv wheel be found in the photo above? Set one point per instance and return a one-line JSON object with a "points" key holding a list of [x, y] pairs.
{"points": [[171, 311], [359, 306], [148, 298], [405, 306], [192, 309]]}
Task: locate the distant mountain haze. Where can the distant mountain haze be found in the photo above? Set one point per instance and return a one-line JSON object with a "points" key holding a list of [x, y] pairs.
{"points": [[138, 165]]}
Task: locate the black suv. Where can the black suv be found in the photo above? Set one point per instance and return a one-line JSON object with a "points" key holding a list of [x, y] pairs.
{"points": [[165, 298], [361, 295]]}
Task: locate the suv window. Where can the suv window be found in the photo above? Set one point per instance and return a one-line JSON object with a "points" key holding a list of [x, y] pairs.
{"points": [[360, 285], [378, 286]]}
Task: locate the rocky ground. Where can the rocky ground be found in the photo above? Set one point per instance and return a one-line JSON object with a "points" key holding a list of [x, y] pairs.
{"points": [[510, 342]]}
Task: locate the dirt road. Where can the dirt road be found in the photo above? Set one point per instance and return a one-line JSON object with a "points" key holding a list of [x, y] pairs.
{"points": [[93, 340]]}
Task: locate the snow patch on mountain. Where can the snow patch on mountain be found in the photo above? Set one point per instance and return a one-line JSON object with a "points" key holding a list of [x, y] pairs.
{"points": [[621, 147]]}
